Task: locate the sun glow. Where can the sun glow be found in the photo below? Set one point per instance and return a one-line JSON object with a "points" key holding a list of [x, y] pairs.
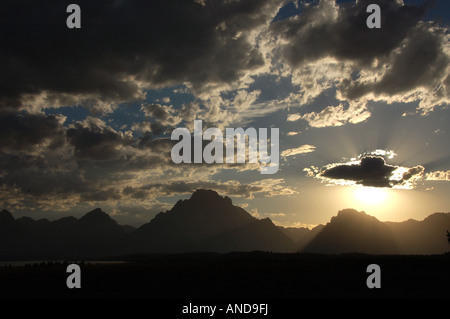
{"points": [[370, 195]]}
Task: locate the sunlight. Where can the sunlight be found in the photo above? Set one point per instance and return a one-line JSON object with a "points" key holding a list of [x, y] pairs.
{"points": [[370, 195]]}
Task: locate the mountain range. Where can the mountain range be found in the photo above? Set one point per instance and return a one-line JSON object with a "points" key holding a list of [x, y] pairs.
{"points": [[209, 222]]}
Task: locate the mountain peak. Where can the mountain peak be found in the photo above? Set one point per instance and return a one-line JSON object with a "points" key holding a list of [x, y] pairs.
{"points": [[192, 221], [97, 211], [352, 214], [353, 231], [437, 217], [209, 197], [205, 193], [96, 216], [267, 221]]}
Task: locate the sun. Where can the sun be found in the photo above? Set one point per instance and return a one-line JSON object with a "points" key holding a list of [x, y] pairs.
{"points": [[370, 195]]}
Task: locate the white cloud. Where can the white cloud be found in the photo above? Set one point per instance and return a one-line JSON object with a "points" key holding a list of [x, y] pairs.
{"points": [[277, 214], [254, 212], [438, 176], [339, 115], [299, 150], [293, 117]]}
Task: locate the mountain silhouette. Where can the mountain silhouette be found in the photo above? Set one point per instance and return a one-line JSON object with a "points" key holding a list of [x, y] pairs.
{"points": [[208, 222], [422, 237], [260, 235], [97, 217], [95, 234], [353, 231]]}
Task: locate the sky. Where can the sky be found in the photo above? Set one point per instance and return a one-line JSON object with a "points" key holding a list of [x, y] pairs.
{"points": [[86, 114]]}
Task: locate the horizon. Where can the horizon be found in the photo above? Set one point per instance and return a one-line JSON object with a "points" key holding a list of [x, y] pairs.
{"points": [[299, 225], [86, 117], [208, 222]]}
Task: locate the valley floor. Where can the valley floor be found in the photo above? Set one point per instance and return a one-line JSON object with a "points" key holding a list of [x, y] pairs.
{"points": [[236, 276]]}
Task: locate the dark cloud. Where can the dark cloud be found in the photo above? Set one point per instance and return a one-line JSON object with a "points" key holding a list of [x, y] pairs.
{"points": [[135, 193], [160, 118], [123, 46], [44, 163], [94, 140], [42, 177], [410, 173], [404, 56], [373, 171], [27, 131], [101, 195], [341, 31], [34, 158], [158, 146], [157, 111], [421, 62], [156, 128]]}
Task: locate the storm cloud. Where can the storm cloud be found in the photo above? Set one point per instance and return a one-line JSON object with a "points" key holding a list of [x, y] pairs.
{"points": [[25, 132], [95, 140], [340, 31], [123, 47]]}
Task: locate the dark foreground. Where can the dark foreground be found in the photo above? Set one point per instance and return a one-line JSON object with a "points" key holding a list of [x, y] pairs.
{"points": [[245, 276]]}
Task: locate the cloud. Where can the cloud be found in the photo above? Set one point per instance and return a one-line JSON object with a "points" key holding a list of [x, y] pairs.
{"points": [[386, 154], [244, 99], [293, 117], [340, 31], [288, 224], [100, 195], [277, 214], [216, 46], [338, 115], [299, 150], [420, 66], [329, 46], [125, 47], [438, 176], [93, 139], [254, 212], [369, 171], [30, 132], [165, 114], [267, 188], [49, 175], [36, 162], [222, 61], [159, 118], [50, 166], [44, 164]]}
